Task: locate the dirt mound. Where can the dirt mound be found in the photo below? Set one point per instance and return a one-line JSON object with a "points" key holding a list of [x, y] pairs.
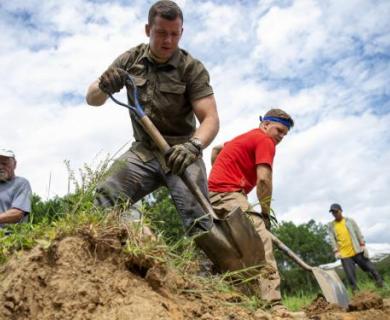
{"points": [[109, 274], [363, 306], [320, 305], [91, 277], [366, 300]]}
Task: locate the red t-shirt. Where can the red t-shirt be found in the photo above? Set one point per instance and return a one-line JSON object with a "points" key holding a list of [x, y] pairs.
{"points": [[235, 167]]}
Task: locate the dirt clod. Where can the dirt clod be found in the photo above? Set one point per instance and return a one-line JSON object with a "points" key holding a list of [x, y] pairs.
{"points": [[366, 300]]}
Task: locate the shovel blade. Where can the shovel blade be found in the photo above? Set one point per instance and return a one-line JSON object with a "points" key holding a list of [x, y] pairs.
{"points": [[332, 287], [233, 243]]}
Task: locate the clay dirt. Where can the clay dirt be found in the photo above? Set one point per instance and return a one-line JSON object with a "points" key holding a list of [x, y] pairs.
{"points": [[92, 275]]}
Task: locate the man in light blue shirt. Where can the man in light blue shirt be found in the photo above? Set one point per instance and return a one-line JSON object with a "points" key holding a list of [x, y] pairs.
{"points": [[15, 192]]}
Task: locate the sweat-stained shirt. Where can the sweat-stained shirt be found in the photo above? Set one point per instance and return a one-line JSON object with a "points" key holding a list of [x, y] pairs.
{"points": [[235, 166]]}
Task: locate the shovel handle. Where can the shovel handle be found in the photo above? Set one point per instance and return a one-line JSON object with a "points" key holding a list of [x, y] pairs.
{"points": [[290, 253], [164, 147], [154, 134]]}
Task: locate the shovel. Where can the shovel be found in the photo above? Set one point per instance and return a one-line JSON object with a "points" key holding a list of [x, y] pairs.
{"points": [[331, 286], [232, 243]]}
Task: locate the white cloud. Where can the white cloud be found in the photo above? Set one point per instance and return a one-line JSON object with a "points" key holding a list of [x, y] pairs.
{"points": [[325, 63]]}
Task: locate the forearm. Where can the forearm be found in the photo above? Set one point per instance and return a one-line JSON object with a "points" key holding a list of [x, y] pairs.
{"points": [[11, 216], [207, 130], [205, 110], [264, 187], [95, 96], [264, 194]]}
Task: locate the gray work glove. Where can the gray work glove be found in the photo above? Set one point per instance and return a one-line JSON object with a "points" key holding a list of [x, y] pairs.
{"points": [[181, 156], [112, 80], [267, 220]]}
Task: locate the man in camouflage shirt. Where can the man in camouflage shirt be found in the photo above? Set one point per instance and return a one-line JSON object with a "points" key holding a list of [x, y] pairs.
{"points": [[173, 88]]}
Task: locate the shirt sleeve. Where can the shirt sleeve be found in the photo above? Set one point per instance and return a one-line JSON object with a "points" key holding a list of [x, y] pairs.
{"points": [[121, 61], [265, 152], [22, 197], [198, 85]]}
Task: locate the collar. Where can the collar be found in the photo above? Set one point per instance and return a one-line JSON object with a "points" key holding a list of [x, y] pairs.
{"points": [[173, 61]]}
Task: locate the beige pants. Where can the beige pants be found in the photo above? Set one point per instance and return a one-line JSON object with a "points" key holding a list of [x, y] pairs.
{"points": [[268, 283]]}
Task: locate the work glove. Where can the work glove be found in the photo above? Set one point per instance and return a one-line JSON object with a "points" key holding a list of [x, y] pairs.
{"points": [[112, 80], [267, 220], [181, 156]]}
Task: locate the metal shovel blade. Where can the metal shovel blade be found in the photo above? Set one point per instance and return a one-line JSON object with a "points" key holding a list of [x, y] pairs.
{"points": [[332, 287], [233, 243]]}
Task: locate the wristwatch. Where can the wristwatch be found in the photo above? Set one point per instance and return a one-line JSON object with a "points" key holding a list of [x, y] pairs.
{"points": [[197, 143]]}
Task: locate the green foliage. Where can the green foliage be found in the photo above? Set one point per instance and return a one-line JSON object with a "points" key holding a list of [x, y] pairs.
{"points": [[299, 300], [60, 215], [308, 241], [164, 218]]}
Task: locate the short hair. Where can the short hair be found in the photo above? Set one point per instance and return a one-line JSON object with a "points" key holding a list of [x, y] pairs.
{"points": [[165, 9], [279, 113]]}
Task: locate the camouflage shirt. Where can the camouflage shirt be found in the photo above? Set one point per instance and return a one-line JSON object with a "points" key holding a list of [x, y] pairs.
{"points": [[165, 91]]}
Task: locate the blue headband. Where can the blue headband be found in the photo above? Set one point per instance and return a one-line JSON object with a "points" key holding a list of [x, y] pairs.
{"points": [[285, 122]]}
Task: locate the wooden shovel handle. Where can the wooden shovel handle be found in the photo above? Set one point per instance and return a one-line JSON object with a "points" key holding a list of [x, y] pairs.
{"points": [[290, 253], [164, 147]]}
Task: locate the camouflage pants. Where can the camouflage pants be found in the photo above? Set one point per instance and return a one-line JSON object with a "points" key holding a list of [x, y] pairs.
{"points": [[267, 286], [130, 179]]}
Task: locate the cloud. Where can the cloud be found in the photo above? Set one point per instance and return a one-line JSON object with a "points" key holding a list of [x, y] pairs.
{"points": [[326, 63]]}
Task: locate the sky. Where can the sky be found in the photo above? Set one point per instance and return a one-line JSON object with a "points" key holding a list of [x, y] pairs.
{"points": [[325, 62]]}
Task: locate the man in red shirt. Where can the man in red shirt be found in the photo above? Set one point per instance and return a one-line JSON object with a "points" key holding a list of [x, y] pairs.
{"points": [[240, 165]]}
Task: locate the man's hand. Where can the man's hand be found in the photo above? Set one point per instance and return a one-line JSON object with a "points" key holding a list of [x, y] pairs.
{"points": [[267, 220], [181, 156], [112, 80], [337, 255]]}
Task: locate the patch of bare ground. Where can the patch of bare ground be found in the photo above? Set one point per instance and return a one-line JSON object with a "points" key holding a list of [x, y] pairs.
{"points": [[365, 305], [109, 273], [89, 276]]}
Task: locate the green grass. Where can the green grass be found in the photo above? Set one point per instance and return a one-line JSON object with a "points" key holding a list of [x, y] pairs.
{"points": [[299, 301]]}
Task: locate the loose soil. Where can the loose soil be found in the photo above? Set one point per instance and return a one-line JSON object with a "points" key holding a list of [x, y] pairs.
{"points": [[88, 276], [363, 306]]}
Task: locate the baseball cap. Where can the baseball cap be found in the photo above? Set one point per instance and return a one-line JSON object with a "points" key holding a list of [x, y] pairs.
{"points": [[7, 153], [334, 207]]}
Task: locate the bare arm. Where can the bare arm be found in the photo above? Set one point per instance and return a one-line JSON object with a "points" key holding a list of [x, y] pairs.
{"points": [[215, 152], [264, 187], [12, 215], [205, 110], [95, 96]]}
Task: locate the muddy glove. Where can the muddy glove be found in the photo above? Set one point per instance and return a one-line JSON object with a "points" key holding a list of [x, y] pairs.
{"points": [[181, 156], [112, 80], [267, 221]]}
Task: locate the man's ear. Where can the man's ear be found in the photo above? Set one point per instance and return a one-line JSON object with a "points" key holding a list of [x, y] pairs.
{"points": [[147, 30]]}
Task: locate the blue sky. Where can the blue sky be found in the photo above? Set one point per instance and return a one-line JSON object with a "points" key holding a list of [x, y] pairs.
{"points": [[324, 62]]}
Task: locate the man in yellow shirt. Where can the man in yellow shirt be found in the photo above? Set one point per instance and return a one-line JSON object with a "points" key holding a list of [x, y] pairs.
{"points": [[348, 245]]}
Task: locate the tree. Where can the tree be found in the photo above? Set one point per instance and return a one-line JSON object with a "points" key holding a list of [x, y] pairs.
{"points": [[309, 242]]}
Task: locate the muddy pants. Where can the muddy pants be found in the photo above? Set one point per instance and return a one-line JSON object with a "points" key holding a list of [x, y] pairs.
{"points": [[268, 285], [365, 264], [131, 179]]}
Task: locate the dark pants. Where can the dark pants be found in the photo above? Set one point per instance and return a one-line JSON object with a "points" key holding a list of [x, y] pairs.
{"points": [[365, 264], [131, 179]]}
